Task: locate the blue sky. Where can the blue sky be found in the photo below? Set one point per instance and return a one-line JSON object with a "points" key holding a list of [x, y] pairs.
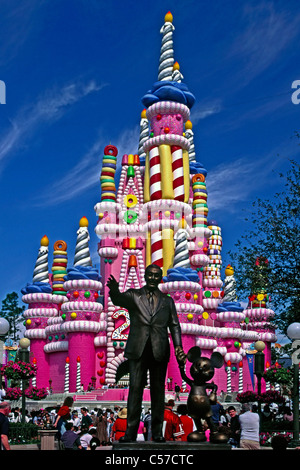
{"points": [[75, 72]]}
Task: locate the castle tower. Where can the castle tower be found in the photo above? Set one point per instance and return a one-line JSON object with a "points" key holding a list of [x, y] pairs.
{"points": [[81, 314], [121, 250], [44, 304], [166, 179]]}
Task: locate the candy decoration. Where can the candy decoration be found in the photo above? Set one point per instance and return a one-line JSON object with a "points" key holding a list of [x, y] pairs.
{"points": [[40, 273], [59, 267], [67, 375], [118, 334], [107, 178], [130, 216], [166, 61], [176, 75], [157, 248], [241, 385], [130, 200], [230, 286], [189, 134], [228, 378], [78, 375], [181, 256], [144, 132], [82, 254], [33, 380], [200, 208]]}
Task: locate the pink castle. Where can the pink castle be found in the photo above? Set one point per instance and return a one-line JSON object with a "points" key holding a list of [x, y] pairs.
{"points": [[157, 214]]}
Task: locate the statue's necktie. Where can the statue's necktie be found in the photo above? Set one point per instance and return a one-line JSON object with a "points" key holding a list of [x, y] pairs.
{"points": [[151, 301]]}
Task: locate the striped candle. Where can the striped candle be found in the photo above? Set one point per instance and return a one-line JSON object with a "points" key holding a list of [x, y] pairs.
{"points": [[241, 387], [78, 375], [157, 248], [67, 375], [155, 174], [177, 171], [228, 379]]}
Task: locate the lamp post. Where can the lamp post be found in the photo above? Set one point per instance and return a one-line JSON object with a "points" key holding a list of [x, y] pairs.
{"points": [[293, 332], [259, 367], [4, 328], [24, 344], [259, 363]]}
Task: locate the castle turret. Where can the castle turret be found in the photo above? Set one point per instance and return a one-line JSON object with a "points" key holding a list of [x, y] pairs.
{"points": [[44, 304], [81, 316], [166, 177]]}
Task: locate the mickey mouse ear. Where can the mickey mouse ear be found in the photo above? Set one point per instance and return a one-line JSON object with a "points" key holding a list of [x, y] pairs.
{"points": [[194, 354], [217, 360]]}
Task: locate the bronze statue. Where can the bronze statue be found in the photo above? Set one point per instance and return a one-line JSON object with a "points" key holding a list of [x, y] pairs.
{"points": [[152, 314], [199, 403]]}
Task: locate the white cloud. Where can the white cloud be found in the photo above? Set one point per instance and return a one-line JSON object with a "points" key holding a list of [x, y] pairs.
{"points": [[266, 34], [86, 173], [204, 110], [46, 109], [234, 182]]}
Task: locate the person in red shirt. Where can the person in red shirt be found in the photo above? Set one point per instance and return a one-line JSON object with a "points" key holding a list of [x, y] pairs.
{"points": [[172, 427], [188, 423], [120, 425]]}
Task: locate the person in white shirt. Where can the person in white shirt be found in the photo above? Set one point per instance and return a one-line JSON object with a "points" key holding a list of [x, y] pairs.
{"points": [[2, 393], [85, 439], [249, 423]]}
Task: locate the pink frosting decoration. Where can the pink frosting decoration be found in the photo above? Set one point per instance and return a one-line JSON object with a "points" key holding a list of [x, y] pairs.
{"points": [[167, 124]]}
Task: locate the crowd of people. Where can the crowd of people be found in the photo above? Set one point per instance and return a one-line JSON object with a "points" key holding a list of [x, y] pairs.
{"points": [[84, 429]]}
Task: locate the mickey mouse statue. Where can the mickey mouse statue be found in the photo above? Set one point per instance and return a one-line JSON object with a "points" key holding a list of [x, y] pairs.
{"points": [[199, 403]]}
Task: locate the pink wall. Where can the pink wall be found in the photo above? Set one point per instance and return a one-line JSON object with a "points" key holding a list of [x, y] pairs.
{"points": [[81, 344]]}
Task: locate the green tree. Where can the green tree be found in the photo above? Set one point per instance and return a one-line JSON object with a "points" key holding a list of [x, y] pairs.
{"points": [[12, 312], [267, 257]]}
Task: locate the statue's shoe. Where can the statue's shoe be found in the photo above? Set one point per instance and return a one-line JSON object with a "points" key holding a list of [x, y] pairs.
{"points": [[218, 438], [196, 436]]}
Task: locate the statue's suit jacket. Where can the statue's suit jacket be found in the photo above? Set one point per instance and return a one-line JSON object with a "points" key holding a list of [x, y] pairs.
{"points": [[144, 325]]}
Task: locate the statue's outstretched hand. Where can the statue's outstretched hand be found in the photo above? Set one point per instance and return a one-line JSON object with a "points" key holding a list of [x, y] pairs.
{"points": [[180, 356], [112, 283]]}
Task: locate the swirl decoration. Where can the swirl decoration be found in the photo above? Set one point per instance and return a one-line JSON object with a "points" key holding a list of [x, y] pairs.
{"points": [[189, 135], [40, 273], [67, 375], [144, 134], [176, 75], [82, 253], [228, 379], [166, 61], [229, 289], [241, 377], [78, 375], [181, 256]]}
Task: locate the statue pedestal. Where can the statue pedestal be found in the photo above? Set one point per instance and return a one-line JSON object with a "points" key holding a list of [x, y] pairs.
{"points": [[176, 447]]}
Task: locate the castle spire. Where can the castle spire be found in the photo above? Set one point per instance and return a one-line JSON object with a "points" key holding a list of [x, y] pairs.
{"points": [[144, 133], [40, 273], [82, 252], [177, 75], [166, 60]]}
